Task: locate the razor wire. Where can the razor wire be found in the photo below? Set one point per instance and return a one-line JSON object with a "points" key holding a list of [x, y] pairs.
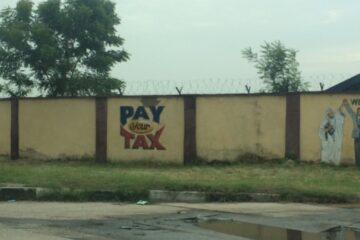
{"points": [[236, 85], [317, 82]]}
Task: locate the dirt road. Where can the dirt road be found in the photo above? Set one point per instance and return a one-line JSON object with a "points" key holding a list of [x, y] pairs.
{"points": [[110, 221]]}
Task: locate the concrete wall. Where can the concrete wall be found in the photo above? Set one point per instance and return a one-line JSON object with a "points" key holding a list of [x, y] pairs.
{"points": [[313, 109], [229, 127], [5, 125], [166, 129], [171, 138], [56, 128]]}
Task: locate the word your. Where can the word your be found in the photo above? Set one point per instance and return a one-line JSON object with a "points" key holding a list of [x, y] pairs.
{"points": [[141, 127]]}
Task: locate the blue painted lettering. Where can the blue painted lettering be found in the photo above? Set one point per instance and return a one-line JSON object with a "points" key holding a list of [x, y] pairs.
{"points": [[125, 113], [141, 113], [156, 113]]}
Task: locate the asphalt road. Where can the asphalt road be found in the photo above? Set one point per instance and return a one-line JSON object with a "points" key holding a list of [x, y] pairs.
{"points": [[110, 221]]}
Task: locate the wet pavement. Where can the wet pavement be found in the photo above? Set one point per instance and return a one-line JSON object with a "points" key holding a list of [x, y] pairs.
{"points": [[265, 232], [110, 221]]}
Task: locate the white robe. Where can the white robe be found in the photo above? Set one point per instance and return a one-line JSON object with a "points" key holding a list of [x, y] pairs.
{"points": [[331, 146]]}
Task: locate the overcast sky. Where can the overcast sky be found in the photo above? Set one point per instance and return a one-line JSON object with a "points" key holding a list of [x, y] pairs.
{"points": [[191, 40]]}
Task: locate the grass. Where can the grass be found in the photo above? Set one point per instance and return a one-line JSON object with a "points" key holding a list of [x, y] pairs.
{"points": [[296, 182]]}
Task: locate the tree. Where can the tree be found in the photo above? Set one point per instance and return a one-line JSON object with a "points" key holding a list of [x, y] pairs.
{"points": [[277, 67], [61, 48]]}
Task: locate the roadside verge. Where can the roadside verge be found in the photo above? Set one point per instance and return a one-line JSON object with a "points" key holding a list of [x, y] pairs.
{"points": [[45, 194]]}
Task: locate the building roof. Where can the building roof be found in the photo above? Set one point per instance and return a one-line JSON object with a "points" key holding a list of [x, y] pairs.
{"points": [[351, 84]]}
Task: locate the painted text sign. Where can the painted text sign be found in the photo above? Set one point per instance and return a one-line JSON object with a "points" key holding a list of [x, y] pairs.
{"points": [[141, 127]]}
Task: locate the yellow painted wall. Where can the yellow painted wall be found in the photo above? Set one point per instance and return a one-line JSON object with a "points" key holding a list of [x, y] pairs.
{"points": [[313, 109], [5, 125], [229, 127], [57, 128], [172, 137]]}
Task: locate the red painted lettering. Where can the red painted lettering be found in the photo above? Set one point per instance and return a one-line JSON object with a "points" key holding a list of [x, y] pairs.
{"points": [[127, 137], [140, 142], [155, 140]]}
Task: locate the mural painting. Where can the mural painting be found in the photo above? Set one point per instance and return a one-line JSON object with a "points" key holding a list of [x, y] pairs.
{"points": [[141, 127], [331, 135], [331, 132], [355, 117]]}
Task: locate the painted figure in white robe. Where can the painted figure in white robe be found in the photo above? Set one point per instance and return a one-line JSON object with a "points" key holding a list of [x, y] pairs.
{"points": [[331, 136]]}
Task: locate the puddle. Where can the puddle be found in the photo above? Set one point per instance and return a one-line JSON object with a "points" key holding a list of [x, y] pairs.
{"points": [[262, 232]]}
